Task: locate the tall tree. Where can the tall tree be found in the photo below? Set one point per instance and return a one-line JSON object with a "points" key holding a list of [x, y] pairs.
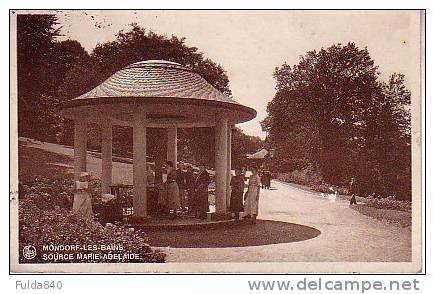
{"points": [[42, 62], [330, 110], [35, 38], [331, 86], [292, 133]]}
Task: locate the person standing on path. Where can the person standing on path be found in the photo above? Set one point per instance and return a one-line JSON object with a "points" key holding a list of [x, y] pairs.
{"points": [[237, 188], [268, 180], [252, 196], [201, 198], [352, 192], [263, 180]]}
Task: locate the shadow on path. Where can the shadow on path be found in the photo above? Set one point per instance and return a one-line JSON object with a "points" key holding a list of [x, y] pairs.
{"points": [[264, 232]]}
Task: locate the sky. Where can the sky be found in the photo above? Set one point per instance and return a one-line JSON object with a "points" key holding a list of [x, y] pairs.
{"points": [[249, 45]]}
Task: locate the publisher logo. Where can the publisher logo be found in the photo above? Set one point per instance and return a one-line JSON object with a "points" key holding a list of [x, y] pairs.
{"points": [[29, 252]]}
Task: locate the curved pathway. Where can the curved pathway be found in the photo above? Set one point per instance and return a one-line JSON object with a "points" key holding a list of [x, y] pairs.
{"points": [[346, 235]]}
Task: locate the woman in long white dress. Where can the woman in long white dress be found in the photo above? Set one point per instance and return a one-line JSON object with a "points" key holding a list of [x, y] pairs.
{"points": [[82, 205], [252, 195]]}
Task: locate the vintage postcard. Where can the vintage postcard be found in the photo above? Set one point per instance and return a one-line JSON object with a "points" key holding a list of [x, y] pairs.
{"points": [[208, 141]]}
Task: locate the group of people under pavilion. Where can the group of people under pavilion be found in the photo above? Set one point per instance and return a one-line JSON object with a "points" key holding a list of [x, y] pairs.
{"points": [[186, 192]]}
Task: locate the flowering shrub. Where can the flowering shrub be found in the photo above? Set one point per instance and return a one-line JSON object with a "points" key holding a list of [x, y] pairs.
{"points": [[325, 188], [312, 180], [301, 177], [45, 219], [48, 193], [389, 202]]}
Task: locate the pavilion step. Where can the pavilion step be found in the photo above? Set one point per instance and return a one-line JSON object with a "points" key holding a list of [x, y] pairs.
{"points": [[184, 226]]}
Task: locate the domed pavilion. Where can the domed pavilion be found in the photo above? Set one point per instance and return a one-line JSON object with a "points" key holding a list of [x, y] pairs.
{"points": [[155, 94]]}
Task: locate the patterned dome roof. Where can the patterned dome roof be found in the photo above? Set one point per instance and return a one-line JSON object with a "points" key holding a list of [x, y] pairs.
{"points": [[170, 92], [156, 78]]}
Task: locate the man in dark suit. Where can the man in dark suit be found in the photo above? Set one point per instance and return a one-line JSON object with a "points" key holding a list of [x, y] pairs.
{"points": [[351, 191], [190, 188]]}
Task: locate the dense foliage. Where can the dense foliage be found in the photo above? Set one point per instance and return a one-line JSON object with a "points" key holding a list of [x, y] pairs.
{"points": [[51, 72], [332, 117], [42, 63], [45, 219]]}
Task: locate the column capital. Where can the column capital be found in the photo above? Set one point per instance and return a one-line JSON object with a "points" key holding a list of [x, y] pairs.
{"points": [[106, 122], [140, 112], [82, 119], [221, 115]]}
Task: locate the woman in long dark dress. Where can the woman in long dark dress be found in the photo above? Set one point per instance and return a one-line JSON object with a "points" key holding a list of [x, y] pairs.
{"points": [[202, 181], [181, 182], [263, 180], [237, 188], [190, 186], [268, 179]]}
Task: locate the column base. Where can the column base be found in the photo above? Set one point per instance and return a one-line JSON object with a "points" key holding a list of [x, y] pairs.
{"points": [[221, 216], [139, 219]]}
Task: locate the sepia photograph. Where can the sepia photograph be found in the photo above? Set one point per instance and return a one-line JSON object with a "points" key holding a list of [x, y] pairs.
{"points": [[216, 141]]}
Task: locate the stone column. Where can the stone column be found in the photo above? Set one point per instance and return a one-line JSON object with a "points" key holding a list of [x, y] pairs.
{"points": [[139, 163], [80, 140], [221, 155], [106, 156], [171, 154], [160, 157], [229, 164]]}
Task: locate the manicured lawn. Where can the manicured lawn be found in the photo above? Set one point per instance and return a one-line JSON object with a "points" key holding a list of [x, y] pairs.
{"points": [[402, 218]]}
